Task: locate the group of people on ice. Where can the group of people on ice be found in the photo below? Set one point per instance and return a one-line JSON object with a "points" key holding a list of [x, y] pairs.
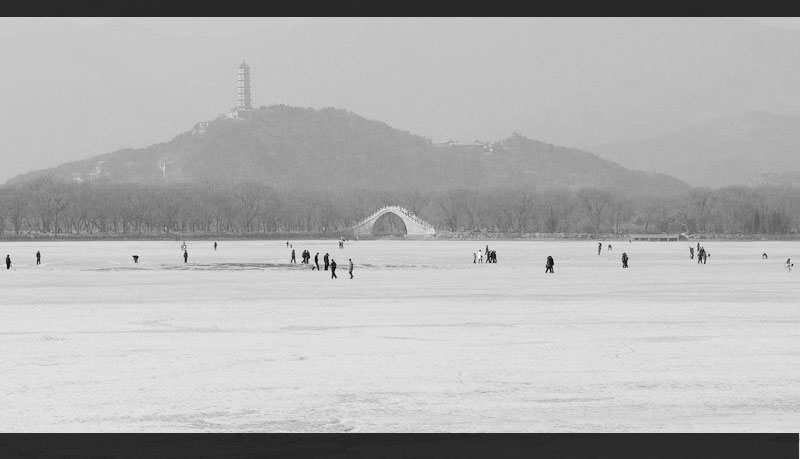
{"points": [[329, 262], [702, 254], [491, 256]]}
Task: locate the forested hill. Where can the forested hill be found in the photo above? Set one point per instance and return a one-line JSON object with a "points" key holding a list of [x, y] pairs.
{"points": [[287, 147]]}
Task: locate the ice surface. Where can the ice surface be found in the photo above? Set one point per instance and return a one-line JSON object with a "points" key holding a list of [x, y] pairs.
{"points": [[421, 340]]}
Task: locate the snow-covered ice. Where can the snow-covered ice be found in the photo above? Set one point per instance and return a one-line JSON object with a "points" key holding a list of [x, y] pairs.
{"points": [[421, 340]]}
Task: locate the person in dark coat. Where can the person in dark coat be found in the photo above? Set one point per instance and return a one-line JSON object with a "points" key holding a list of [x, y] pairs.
{"points": [[764, 255], [624, 259], [215, 245], [136, 258], [8, 261], [185, 256], [333, 269], [325, 260], [293, 260], [316, 262], [38, 258], [549, 265], [599, 247], [350, 267], [691, 253]]}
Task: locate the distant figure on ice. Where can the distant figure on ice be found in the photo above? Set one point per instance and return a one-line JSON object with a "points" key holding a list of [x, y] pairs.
{"points": [[287, 243], [185, 256], [215, 245], [333, 269], [609, 247], [293, 260], [8, 262], [316, 262], [325, 260], [549, 264], [701, 255], [474, 257], [350, 267], [789, 264], [599, 247], [624, 260], [306, 256], [764, 256], [691, 253], [480, 257], [38, 258], [341, 244], [136, 258], [183, 246]]}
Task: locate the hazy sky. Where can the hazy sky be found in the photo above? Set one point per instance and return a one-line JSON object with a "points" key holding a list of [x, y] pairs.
{"points": [[77, 87]]}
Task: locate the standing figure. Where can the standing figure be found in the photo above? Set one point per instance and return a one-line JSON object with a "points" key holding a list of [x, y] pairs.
{"points": [[215, 245], [691, 253], [474, 257], [549, 264], [480, 259], [38, 258], [185, 256], [293, 260], [325, 260], [316, 261], [333, 269], [789, 264], [136, 258], [764, 256], [624, 260], [8, 261], [287, 243], [350, 267], [599, 247], [609, 247]]}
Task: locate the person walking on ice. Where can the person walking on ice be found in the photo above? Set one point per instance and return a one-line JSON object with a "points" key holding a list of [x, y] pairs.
{"points": [[789, 264], [350, 267], [8, 261], [215, 246], [624, 259], [325, 260], [185, 256], [316, 262], [293, 260], [599, 247], [474, 257], [764, 256], [549, 264], [38, 258], [333, 269]]}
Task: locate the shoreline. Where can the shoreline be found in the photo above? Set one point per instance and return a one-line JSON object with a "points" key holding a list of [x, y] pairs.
{"points": [[337, 236]]}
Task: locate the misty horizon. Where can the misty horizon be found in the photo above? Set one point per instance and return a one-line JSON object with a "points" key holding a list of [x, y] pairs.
{"points": [[576, 82]]}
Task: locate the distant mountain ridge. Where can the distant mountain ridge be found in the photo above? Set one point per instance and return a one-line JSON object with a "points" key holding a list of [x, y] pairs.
{"points": [[731, 150], [288, 147]]}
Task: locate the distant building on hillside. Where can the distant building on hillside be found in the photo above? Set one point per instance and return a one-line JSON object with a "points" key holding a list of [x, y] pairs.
{"points": [[243, 88]]}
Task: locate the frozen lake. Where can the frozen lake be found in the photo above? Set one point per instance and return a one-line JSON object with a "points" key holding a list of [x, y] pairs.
{"points": [[420, 340]]}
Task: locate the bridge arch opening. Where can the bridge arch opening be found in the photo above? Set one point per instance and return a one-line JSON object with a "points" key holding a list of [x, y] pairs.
{"points": [[389, 224]]}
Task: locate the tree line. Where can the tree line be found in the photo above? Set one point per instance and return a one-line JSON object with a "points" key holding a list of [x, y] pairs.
{"points": [[48, 207]]}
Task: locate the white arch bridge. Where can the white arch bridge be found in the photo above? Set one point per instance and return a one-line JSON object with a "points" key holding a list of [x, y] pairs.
{"points": [[415, 226]]}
